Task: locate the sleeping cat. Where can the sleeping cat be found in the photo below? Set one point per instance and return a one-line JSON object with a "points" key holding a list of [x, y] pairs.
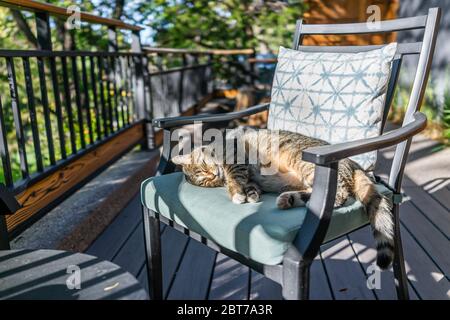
{"points": [[293, 179]]}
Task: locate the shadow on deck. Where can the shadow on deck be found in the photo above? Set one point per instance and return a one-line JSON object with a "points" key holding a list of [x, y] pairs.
{"points": [[193, 271]]}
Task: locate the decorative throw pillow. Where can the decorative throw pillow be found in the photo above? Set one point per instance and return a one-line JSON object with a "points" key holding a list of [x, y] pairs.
{"points": [[336, 97]]}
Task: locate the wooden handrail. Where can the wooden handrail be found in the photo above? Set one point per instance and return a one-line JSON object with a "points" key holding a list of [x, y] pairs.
{"points": [[53, 10], [193, 51]]}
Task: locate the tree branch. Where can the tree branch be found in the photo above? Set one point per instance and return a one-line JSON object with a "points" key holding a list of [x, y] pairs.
{"points": [[118, 9], [24, 27]]}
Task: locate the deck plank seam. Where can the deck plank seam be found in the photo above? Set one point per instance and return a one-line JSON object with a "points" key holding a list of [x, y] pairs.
{"points": [[126, 240], [330, 287], [426, 217], [437, 200], [360, 264], [211, 276], [145, 262], [424, 250], [169, 287]]}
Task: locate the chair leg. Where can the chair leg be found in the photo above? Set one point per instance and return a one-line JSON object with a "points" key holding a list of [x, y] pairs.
{"points": [[295, 280], [401, 281], [153, 254]]}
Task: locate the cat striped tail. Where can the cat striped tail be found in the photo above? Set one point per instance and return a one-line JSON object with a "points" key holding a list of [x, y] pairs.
{"points": [[379, 210]]}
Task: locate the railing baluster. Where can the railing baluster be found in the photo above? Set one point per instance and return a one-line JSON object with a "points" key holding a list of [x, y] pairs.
{"points": [[76, 82], [132, 85], [94, 93], [86, 98], [113, 79], [58, 108], [32, 113], [68, 104], [121, 90], [102, 97], [4, 152], [126, 88], [108, 97], [44, 98], [20, 135], [180, 84]]}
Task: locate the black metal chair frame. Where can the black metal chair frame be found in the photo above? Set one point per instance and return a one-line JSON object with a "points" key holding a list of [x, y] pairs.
{"points": [[293, 273]]}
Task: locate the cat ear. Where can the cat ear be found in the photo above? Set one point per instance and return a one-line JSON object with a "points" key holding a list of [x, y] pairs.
{"points": [[182, 159]]}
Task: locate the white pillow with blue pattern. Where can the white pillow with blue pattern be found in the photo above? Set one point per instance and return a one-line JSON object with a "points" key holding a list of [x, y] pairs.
{"points": [[336, 97]]}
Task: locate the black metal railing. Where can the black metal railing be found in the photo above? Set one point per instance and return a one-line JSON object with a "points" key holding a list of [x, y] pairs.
{"points": [[58, 106], [177, 80]]}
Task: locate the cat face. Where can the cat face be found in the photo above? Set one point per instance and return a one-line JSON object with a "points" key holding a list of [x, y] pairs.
{"points": [[199, 169]]}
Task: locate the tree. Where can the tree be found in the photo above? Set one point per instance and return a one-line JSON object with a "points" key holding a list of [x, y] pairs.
{"points": [[223, 24]]}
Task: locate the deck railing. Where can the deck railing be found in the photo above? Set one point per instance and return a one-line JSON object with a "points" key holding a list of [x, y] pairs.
{"points": [[66, 115]]}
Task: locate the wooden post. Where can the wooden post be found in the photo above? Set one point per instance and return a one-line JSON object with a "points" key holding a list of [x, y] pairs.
{"points": [[211, 74], [8, 205], [4, 239], [44, 37], [252, 70], [180, 88], [140, 63], [112, 40], [112, 71]]}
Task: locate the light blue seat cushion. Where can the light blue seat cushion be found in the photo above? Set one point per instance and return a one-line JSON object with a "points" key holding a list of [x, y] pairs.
{"points": [[259, 231]]}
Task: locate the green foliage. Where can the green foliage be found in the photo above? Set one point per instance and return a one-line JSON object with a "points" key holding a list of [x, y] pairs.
{"points": [[436, 110], [223, 24], [446, 114]]}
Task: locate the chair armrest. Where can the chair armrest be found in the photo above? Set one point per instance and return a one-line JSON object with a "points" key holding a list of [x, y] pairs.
{"points": [[327, 154], [171, 122]]}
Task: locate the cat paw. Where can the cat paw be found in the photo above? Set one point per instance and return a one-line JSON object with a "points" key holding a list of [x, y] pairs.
{"points": [[238, 198], [289, 200], [253, 196], [285, 201]]}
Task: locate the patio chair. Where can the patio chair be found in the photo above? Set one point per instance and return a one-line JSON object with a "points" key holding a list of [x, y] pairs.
{"points": [[252, 240]]}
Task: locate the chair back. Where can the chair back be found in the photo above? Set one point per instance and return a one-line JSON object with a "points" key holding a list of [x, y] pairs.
{"points": [[424, 49]]}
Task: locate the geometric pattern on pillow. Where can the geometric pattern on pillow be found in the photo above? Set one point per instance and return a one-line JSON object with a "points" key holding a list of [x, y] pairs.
{"points": [[336, 97]]}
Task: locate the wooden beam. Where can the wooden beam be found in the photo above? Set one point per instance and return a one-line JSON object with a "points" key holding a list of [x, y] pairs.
{"points": [[56, 11], [54, 188]]}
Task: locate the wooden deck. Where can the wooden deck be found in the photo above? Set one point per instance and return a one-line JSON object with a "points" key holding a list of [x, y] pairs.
{"points": [[193, 271]]}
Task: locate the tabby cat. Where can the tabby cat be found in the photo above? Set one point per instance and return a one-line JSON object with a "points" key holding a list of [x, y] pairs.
{"points": [[292, 180]]}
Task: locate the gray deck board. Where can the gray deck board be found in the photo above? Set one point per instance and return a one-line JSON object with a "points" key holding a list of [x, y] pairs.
{"points": [[348, 280], [115, 236], [427, 236], [432, 209], [423, 274], [230, 280], [131, 256], [364, 246], [263, 288], [192, 279], [173, 247], [439, 189], [319, 286]]}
